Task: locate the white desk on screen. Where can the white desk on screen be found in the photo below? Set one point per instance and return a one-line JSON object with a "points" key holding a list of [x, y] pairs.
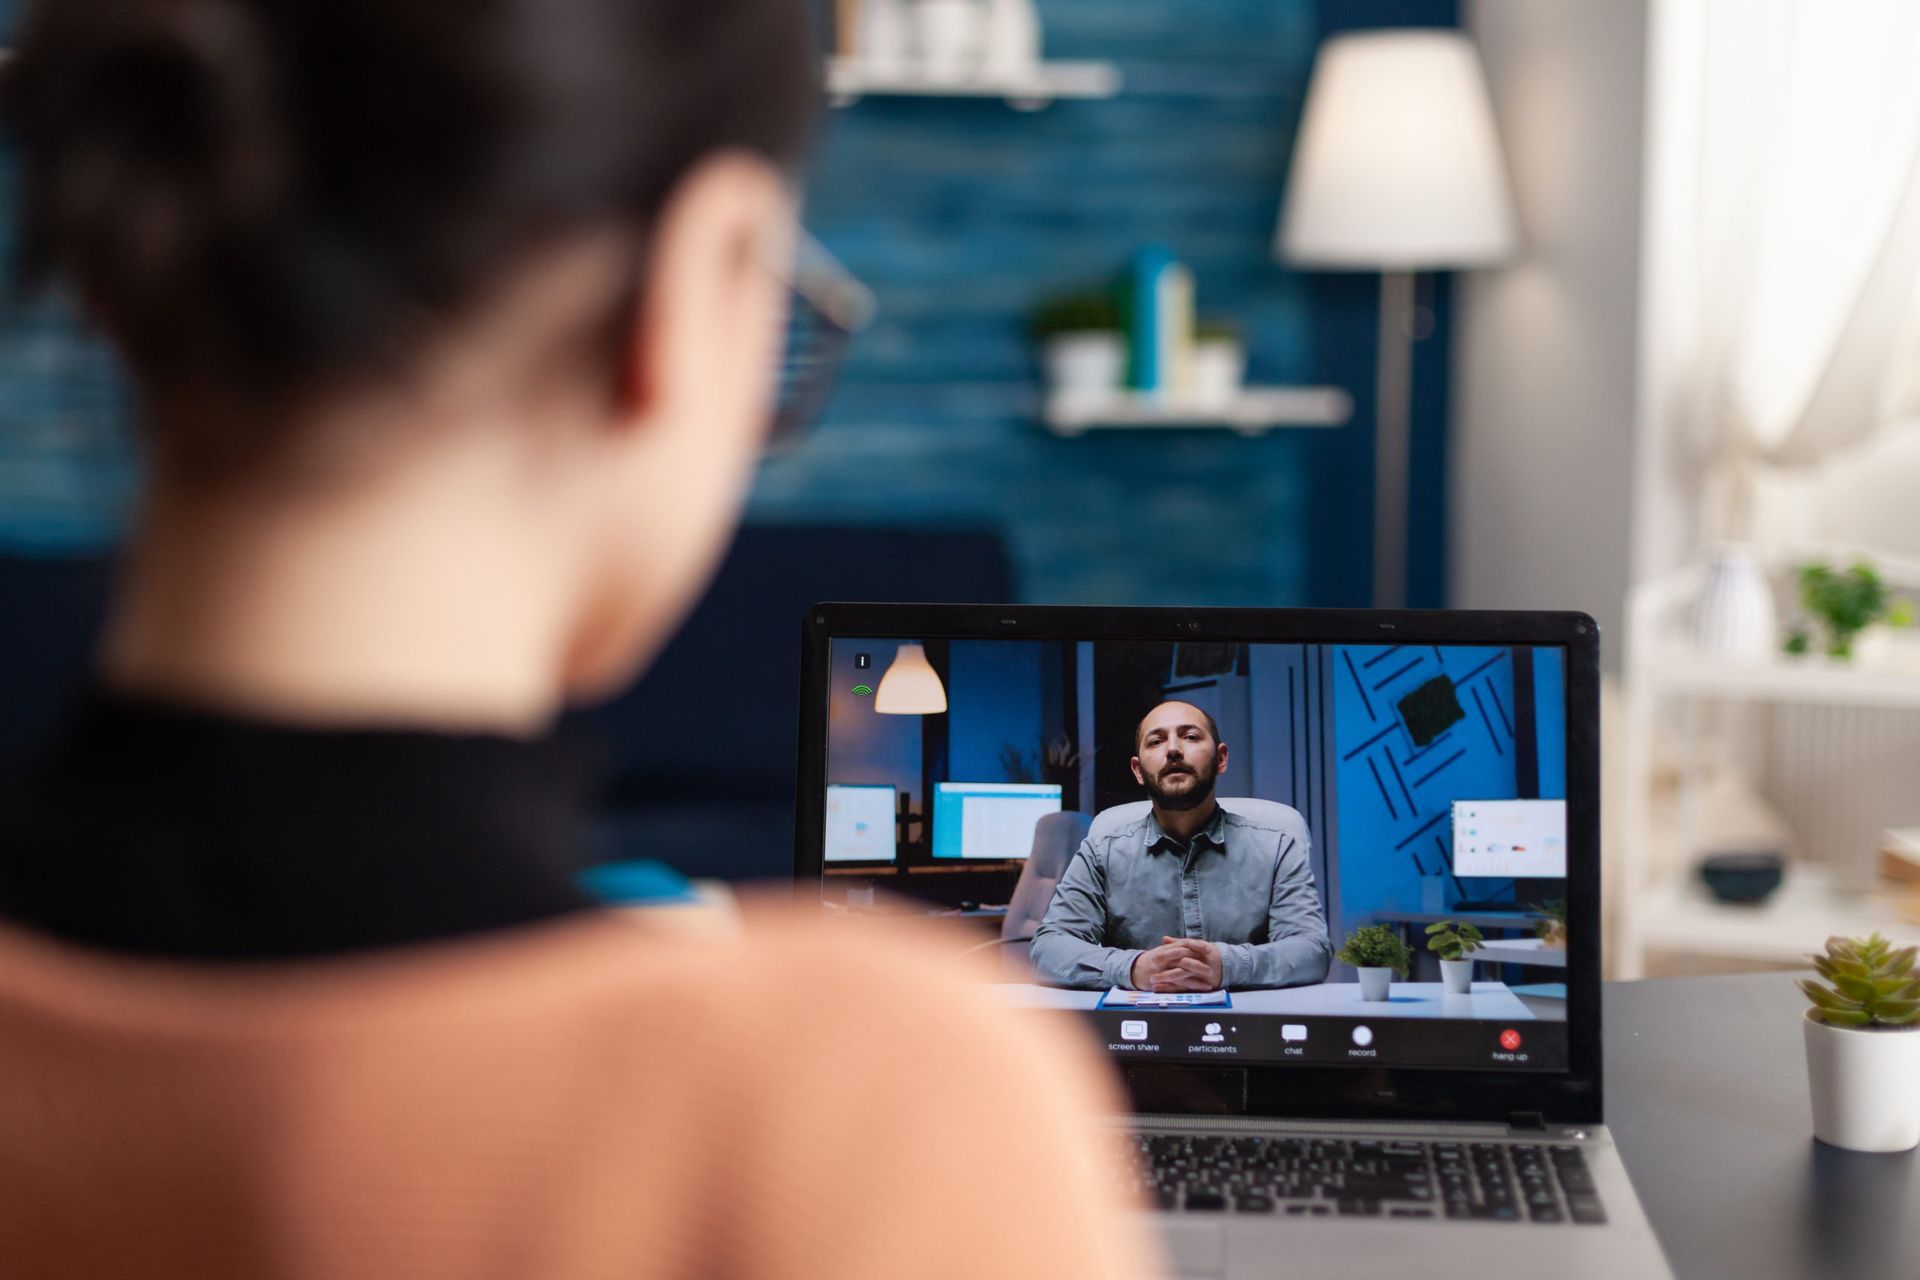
{"points": [[1489, 1001]]}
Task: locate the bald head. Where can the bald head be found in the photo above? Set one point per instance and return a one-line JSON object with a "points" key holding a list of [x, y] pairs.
{"points": [[1172, 716]]}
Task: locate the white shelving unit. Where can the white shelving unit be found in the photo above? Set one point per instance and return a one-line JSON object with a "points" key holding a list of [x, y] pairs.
{"points": [[1254, 412], [1664, 674], [851, 79]]}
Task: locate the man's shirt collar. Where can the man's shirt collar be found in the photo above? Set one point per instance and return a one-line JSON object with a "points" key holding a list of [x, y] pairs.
{"points": [[1214, 833]]}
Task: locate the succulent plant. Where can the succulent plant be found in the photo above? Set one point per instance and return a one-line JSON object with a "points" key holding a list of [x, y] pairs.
{"points": [[1873, 985], [1453, 941], [1375, 946]]}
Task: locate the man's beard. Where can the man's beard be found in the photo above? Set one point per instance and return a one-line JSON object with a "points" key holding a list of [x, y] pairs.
{"points": [[1180, 801]]}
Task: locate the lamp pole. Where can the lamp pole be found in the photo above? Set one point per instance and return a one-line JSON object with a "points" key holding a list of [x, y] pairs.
{"points": [[1392, 441]]}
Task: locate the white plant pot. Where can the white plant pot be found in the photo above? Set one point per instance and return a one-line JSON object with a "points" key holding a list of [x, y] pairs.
{"points": [[1218, 371], [1086, 364], [1734, 616], [1865, 1086], [1458, 976], [949, 32], [1375, 984]]}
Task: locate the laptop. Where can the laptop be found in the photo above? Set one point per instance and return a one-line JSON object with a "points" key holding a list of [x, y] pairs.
{"points": [[1239, 845]]}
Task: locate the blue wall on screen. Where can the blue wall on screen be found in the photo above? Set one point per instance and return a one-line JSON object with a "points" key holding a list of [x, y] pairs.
{"points": [[1395, 799]]}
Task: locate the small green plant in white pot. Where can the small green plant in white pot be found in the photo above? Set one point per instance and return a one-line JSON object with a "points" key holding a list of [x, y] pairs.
{"points": [[1863, 1045], [1455, 945], [1377, 952]]}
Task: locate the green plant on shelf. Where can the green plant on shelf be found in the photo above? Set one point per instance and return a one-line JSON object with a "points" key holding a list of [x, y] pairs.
{"points": [[1452, 941], [1090, 312], [1844, 603], [1375, 946], [1872, 984]]}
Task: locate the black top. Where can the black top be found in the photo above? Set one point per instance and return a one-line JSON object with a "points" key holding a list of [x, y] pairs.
{"points": [[165, 831]]}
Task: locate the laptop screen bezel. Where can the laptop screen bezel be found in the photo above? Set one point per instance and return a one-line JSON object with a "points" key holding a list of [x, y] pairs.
{"points": [[1573, 1096]]}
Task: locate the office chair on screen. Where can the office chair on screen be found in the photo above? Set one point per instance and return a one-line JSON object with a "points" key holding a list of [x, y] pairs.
{"points": [[1055, 839]]}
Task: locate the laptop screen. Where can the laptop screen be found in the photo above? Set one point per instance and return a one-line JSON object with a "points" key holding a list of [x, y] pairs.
{"points": [[1261, 853]]}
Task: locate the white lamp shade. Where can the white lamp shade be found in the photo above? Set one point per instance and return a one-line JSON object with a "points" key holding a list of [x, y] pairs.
{"points": [[911, 686], [1397, 166]]}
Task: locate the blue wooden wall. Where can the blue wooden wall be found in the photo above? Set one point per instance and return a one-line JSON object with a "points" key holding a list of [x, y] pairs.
{"points": [[962, 215]]}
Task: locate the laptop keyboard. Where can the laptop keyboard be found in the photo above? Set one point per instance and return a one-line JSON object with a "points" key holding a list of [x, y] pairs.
{"points": [[1328, 1177]]}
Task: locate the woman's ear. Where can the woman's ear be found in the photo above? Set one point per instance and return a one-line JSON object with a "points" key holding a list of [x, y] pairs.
{"points": [[704, 346], [670, 469]]}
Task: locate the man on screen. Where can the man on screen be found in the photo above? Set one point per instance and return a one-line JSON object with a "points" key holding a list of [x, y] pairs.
{"points": [[1188, 897]]}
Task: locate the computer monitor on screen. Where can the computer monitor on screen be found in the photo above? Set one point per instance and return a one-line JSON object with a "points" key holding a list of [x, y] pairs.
{"points": [[989, 820], [1519, 839], [860, 824]]}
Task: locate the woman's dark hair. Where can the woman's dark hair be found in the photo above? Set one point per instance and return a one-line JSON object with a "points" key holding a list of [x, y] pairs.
{"points": [[264, 199]]}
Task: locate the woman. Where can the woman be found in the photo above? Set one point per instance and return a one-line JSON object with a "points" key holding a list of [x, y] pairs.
{"points": [[452, 325]]}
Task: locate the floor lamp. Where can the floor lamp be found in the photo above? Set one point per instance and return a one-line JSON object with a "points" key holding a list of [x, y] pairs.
{"points": [[1397, 169]]}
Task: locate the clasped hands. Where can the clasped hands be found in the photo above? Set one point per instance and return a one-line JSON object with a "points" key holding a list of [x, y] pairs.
{"points": [[1179, 964]]}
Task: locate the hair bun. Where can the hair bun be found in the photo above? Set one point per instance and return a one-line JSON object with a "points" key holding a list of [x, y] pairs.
{"points": [[157, 136]]}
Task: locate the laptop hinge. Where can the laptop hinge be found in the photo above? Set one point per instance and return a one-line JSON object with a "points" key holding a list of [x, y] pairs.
{"points": [[1526, 1121]]}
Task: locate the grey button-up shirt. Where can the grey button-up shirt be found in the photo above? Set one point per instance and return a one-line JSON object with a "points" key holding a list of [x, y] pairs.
{"points": [[1244, 885]]}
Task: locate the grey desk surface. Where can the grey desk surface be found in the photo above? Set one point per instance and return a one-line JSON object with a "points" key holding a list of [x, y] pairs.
{"points": [[1707, 1099]]}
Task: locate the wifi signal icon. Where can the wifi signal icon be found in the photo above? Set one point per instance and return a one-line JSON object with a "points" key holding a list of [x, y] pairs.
{"points": [[863, 691]]}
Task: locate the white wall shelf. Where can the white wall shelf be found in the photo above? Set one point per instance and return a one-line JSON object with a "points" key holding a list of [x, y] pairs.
{"points": [[1683, 918], [850, 79], [1254, 412]]}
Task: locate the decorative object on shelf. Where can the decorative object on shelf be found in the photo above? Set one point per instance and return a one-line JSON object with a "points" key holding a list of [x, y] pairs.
{"points": [[1397, 169], [1552, 931], [1012, 44], [911, 686], [1734, 617], [1378, 953], [846, 27], [948, 34], [885, 37], [1863, 1045], [1083, 344], [1160, 322], [1455, 944], [1844, 604], [1744, 878], [1217, 369]]}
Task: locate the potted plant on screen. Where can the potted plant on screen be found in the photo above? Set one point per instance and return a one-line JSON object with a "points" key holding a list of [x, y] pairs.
{"points": [[1378, 953], [1863, 1045], [1552, 930], [1455, 945]]}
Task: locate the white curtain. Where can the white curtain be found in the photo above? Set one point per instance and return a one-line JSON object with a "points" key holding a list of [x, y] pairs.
{"points": [[1787, 218]]}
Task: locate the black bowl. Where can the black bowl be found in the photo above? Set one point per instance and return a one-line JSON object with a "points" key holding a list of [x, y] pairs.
{"points": [[1747, 878]]}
